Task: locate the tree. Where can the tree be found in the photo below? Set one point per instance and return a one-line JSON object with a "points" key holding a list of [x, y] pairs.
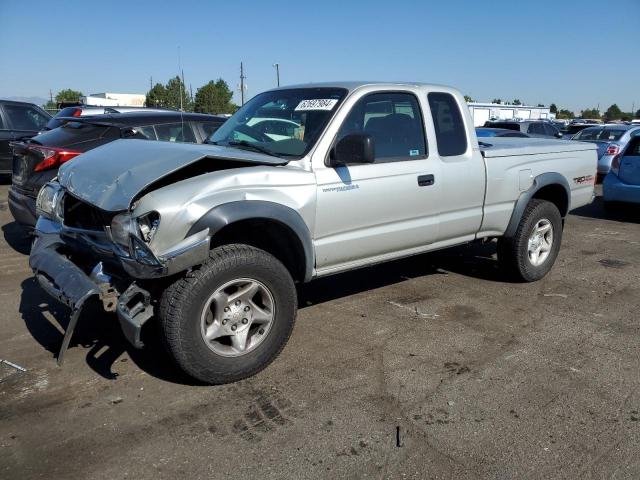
{"points": [[468, 99], [565, 114], [613, 113], [517, 102], [175, 91], [541, 105], [593, 113], [157, 96], [214, 97], [68, 96], [553, 108], [637, 115], [496, 100]]}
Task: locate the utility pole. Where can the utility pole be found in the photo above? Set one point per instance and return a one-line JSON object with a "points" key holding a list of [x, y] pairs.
{"points": [[277, 66], [242, 77], [50, 96]]}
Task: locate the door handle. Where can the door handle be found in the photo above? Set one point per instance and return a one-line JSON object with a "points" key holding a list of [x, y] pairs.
{"points": [[426, 180]]}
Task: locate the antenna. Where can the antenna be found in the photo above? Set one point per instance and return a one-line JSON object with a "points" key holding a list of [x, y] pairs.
{"points": [[180, 92], [242, 87]]}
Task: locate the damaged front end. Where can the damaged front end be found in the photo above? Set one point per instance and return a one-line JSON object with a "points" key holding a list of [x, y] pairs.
{"points": [[82, 252]]}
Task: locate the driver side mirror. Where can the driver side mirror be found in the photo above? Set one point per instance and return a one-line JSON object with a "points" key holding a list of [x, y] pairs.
{"points": [[354, 148]]}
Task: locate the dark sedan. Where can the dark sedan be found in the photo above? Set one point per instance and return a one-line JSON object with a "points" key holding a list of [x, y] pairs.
{"points": [[36, 161]]}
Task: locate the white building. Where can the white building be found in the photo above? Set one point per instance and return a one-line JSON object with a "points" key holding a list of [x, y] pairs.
{"points": [[481, 112], [115, 99]]}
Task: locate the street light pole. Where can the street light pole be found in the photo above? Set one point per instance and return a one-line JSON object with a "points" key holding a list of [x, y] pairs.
{"points": [[277, 67]]}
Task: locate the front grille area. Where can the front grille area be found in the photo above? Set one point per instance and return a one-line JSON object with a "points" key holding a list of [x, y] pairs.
{"points": [[78, 214]]}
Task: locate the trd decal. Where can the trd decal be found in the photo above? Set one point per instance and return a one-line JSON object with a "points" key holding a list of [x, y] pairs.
{"points": [[584, 179]]}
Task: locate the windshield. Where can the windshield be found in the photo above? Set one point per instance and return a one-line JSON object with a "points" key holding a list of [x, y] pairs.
{"points": [[281, 122]]}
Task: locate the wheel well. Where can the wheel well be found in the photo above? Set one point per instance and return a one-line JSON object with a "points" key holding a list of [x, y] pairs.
{"points": [[555, 194], [269, 235]]}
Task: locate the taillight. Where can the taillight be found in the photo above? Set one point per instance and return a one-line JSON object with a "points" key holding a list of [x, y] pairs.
{"points": [[613, 150], [77, 112], [52, 157], [615, 164]]}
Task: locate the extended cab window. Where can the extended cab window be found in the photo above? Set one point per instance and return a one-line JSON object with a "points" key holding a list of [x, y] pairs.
{"points": [[175, 132], [451, 133], [394, 122]]}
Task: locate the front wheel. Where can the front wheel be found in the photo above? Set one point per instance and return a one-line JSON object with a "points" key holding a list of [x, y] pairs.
{"points": [[530, 253], [232, 317]]}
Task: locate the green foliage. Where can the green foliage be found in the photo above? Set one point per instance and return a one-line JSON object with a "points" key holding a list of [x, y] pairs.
{"points": [[497, 100], [613, 113], [157, 96], [541, 105], [592, 113], [517, 102], [214, 97], [468, 99], [565, 114], [637, 114], [175, 90], [553, 108], [68, 96], [50, 105]]}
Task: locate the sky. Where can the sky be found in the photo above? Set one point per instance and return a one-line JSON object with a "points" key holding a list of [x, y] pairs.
{"points": [[575, 53]]}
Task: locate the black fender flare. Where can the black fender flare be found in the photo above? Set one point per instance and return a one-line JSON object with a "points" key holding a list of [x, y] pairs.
{"points": [[542, 180], [227, 213]]}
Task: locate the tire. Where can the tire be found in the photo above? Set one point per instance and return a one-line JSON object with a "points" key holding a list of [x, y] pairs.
{"points": [[513, 252], [189, 312]]}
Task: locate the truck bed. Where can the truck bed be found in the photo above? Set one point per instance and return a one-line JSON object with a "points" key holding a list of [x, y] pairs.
{"points": [[509, 147]]}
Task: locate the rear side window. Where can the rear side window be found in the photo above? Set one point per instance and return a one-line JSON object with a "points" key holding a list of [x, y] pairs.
{"points": [[175, 132], [549, 130], [451, 133], [25, 118], [609, 134]]}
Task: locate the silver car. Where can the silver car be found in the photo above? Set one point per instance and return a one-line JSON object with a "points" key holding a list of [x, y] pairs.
{"points": [[610, 139]]}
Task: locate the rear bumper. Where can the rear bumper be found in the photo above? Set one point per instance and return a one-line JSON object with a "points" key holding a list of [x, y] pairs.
{"points": [[69, 284], [615, 190], [604, 164], [22, 207]]}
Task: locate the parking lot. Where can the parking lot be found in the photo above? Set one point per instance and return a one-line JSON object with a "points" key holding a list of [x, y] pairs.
{"points": [[431, 367]]}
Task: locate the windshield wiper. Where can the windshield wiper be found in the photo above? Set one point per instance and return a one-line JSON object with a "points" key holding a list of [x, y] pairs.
{"points": [[244, 143]]}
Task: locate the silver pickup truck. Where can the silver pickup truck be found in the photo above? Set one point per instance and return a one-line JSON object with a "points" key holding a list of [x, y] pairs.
{"points": [[302, 182]]}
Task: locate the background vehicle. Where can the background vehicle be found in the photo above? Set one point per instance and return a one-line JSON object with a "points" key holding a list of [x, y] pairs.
{"points": [[622, 183], [572, 128], [533, 128], [610, 139], [499, 132], [35, 162], [18, 120], [84, 110], [231, 225]]}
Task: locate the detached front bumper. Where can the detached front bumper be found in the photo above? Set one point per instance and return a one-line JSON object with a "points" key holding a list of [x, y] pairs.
{"points": [[68, 283]]}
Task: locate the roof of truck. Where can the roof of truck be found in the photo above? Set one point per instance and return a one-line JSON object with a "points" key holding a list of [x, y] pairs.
{"points": [[352, 85]]}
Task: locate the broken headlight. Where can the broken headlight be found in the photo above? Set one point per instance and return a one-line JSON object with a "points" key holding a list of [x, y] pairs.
{"points": [[134, 234], [48, 202], [148, 225]]}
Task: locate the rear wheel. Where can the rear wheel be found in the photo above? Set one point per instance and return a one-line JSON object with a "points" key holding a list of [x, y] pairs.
{"points": [[232, 317], [530, 253]]}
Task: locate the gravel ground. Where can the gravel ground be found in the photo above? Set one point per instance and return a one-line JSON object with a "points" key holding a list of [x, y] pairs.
{"points": [[430, 367]]}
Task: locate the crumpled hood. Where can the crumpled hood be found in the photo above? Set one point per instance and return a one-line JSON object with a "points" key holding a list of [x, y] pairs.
{"points": [[111, 176]]}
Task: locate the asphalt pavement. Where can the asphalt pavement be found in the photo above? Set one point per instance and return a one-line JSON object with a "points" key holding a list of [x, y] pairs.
{"points": [[429, 367]]}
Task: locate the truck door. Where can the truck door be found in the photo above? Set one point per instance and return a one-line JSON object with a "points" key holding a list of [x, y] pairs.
{"points": [[462, 182], [379, 210]]}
